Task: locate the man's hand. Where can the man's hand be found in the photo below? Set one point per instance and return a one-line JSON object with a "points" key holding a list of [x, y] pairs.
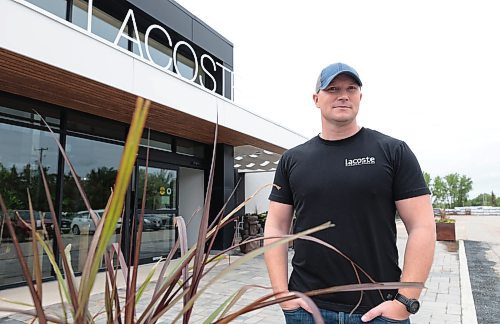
{"points": [[391, 309], [294, 303]]}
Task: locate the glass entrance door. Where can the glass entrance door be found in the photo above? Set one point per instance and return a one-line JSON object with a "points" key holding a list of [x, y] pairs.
{"points": [[158, 235]]}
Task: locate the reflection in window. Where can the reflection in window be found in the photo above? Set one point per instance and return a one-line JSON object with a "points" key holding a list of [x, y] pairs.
{"points": [[79, 14], [160, 53], [160, 208], [227, 84], [20, 149], [96, 164], [185, 67], [161, 193], [107, 27], [103, 24], [57, 7], [28, 117]]}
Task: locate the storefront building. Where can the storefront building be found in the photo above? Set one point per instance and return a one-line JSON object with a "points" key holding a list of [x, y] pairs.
{"points": [[81, 64]]}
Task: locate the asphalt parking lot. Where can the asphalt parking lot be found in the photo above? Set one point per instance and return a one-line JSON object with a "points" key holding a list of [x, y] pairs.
{"points": [[481, 235]]}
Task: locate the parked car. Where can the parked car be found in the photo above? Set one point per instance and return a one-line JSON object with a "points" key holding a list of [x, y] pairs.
{"points": [[166, 220], [83, 223], [151, 223], [65, 225], [23, 231]]}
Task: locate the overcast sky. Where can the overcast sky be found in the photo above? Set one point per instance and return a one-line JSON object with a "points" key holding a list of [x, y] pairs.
{"points": [[430, 71]]}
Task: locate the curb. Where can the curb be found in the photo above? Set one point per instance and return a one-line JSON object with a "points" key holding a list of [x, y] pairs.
{"points": [[467, 300]]}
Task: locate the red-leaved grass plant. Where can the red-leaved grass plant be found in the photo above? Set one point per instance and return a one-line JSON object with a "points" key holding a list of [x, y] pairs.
{"points": [[179, 283]]}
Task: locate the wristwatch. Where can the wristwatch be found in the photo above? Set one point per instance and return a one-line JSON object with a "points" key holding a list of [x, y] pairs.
{"points": [[412, 305]]}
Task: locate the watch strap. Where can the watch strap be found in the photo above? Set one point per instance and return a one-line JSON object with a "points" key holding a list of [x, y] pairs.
{"points": [[408, 302], [402, 299]]}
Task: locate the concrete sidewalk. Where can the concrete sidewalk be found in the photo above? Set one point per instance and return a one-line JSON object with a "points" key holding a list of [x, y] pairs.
{"points": [[443, 301]]}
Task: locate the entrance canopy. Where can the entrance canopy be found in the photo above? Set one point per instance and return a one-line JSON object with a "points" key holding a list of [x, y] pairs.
{"points": [[249, 158]]}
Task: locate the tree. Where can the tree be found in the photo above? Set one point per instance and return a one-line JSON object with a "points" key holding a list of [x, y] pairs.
{"points": [[483, 199], [464, 187], [440, 192], [98, 183], [156, 180], [452, 184], [428, 179], [14, 186], [493, 199], [10, 188]]}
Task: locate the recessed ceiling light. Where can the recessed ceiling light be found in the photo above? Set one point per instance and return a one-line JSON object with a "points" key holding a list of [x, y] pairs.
{"points": [[276, 162], [269, 153], [272, 169], [249, 165], [238, 158], [264, 163], [253, 156], [237, 165]]}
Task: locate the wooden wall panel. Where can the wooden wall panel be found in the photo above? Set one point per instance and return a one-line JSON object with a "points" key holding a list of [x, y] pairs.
{"points": [[30, 78]]}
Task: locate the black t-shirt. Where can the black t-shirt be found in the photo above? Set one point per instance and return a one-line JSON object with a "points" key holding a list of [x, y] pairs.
{"points": [[354, 183]]}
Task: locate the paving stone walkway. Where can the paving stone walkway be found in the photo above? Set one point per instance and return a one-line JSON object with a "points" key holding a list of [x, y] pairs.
{"points": [[440, 301]]}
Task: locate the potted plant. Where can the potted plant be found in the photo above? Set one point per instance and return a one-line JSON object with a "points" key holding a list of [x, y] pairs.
{"points": [[445, 227]]}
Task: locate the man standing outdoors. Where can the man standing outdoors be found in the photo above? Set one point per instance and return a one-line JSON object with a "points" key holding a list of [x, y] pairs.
{"points": [[356, 178]]}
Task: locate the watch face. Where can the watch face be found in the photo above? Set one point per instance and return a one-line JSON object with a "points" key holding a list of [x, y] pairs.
{"points": [[414, 306]]}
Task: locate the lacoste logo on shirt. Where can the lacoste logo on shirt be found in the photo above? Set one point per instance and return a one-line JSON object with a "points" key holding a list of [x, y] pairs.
{"points": [[359, 161]]}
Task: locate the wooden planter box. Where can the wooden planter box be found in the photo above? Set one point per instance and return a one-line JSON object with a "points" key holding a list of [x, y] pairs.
{"points": [[445, 231]]}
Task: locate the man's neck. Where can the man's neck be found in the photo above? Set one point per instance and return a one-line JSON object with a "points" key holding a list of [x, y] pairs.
{"points": [[338, 132]]}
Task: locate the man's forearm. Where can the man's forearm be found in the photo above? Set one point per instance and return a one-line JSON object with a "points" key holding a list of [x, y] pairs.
{"points": [[277, 261], [419, 254]]}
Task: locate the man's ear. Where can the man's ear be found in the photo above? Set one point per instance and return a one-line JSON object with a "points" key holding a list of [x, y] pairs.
{"points": [[315, 99]]}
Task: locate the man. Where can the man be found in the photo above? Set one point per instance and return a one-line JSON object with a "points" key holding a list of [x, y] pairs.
{"points": [[356, 178]]}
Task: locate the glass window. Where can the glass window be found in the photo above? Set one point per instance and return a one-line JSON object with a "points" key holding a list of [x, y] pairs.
{"points": [[157, 141], [201, 74], [20, 149], [187, 147], [227, 84], [79, 14], [160, 54], [27, 116], [107, 27], [96, 164], [161, 202], [186, 69], [185, 66], [57, 7], [79, 123], [161, 193], [156, 145]]}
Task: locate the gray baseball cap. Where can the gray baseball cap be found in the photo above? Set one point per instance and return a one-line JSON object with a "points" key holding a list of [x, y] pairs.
{"points": [[332, 71]]}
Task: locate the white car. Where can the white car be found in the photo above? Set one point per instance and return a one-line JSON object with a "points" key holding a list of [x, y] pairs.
{"points": [[83, 223]]}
